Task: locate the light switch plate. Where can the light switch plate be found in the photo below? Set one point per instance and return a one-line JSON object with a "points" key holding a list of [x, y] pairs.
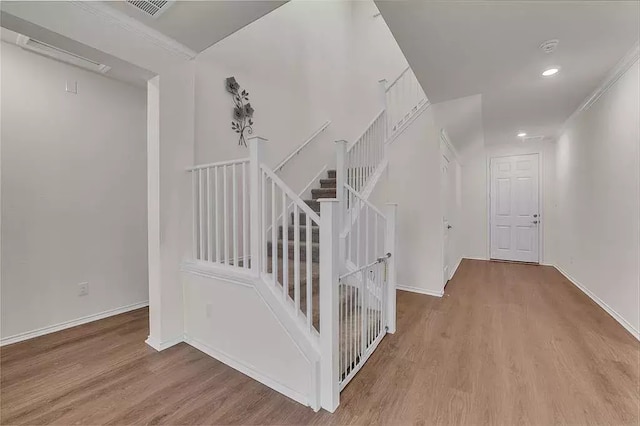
{"points": [[72, 87]]}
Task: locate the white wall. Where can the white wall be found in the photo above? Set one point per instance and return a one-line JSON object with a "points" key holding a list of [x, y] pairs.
{"points": [[414, 183], [169, 138], [597, 233], [303, 64], [73, 193], [229, 321], [475, 211]]}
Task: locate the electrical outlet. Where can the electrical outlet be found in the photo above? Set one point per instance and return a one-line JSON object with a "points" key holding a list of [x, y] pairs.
{"points": [[208, 310], [83, 289]]}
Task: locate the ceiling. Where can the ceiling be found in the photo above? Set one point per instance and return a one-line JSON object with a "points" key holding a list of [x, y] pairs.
{"points": [[462, 119], [200, 24], [13, 26], [491, 48]]}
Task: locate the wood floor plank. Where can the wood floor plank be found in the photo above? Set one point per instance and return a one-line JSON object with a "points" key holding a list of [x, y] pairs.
{"points": [[507, 344]]}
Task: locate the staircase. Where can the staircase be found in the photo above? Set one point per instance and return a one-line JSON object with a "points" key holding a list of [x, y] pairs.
{"points": [[327, 190], [324, 267]]}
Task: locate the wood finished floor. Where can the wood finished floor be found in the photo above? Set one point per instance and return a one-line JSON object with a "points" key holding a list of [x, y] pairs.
{"points": [[507, 344]]}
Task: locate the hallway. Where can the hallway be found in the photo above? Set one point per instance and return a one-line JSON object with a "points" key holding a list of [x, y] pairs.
{"points": [[507, 344]]}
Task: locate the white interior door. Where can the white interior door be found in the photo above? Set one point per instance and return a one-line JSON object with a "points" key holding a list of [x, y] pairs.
{"points": [[515, 214], [450, 187], [446, 224]]}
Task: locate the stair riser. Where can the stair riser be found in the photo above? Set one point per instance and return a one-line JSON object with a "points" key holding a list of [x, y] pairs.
{"points": [[331, 174], [315, 252], [327, 183], [315, 234], [323, 193]]}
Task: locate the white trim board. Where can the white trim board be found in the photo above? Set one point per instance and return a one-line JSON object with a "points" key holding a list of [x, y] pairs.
{"points": [[419, 290], [161, 346], [69, 324], [248, 370], [635, 333]]}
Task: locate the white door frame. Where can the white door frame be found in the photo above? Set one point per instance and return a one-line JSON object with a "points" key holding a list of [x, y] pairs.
{"points": [[542, 212], [446, 145]]}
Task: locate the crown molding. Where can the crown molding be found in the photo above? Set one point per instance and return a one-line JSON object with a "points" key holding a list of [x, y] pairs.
{"points": [[614, 75], [127, 23]]}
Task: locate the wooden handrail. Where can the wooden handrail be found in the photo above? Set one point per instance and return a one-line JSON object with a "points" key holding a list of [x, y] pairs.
{"points": [[301, 147]]}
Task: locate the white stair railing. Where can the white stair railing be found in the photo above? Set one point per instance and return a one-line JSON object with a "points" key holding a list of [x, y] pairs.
{"points": [[234, 204], [363, 157], [220, 201], [287, 236], [403, 98], [362, 315], [364, 230]]}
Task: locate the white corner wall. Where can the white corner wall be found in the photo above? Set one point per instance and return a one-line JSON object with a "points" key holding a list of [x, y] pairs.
{"points": [[73, 194], [414, 182], [597, 236]]}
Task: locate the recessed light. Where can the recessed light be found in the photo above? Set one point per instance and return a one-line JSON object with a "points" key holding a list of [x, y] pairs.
{"points": [[551, 71], [522, 134]]}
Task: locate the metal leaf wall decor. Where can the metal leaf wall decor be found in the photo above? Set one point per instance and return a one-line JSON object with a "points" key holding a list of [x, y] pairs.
{"points": [[242, 112]]}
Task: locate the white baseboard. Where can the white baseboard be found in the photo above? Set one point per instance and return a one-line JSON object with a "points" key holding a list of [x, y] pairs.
{"points": [[161, 346], [247, 370], [601, 303], [419, 290], [474, 258], [68, 324]]}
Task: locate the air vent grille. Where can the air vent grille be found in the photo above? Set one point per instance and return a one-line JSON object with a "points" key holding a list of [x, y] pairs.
{"points": [[153, 8]]}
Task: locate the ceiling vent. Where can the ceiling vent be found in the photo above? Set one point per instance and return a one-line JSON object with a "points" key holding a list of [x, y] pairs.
{"points": [[60, 55], [549, 46], [153, 8]]}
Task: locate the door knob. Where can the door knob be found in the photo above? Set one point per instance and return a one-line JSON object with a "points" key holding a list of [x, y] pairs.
{"points": [[449, 226], [535, 221]]}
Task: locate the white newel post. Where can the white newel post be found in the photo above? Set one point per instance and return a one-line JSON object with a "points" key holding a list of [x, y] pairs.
{"points": [[329, 275], [341, 178], [391, 245], [256, 145]]}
